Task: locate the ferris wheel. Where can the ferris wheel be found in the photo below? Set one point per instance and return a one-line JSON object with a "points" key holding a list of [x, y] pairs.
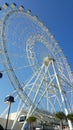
{"points": [[34, 63]]}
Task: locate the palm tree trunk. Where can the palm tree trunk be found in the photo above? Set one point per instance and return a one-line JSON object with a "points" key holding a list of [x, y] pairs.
{"points": [[31, 127], [61, 125]]}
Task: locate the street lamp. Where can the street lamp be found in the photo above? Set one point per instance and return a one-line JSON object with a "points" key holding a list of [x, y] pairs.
{"points": [[1, 74], [9, 100]]}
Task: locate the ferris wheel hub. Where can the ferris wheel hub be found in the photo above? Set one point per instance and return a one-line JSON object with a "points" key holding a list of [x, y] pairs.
{"points": [[47, 59]]}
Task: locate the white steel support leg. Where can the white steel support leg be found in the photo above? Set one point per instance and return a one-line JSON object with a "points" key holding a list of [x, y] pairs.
{"points": [[62, 97], [40, 85], [18, 113], [31, 110], [31, 107], [36, 80], [43, 94], [33, 76], [47, 101]]}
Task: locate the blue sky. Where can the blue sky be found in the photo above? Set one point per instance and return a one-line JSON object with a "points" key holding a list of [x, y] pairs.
{"points": [[57, 15]]}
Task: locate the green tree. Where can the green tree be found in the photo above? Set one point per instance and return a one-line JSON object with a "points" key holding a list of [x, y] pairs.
{"points": [[70, 117], [30, 120], [61, 116]]}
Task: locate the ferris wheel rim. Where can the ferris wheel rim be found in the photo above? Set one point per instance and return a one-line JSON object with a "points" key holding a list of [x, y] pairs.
{"points": [[7, 58], [8, 66], [43, 28]]}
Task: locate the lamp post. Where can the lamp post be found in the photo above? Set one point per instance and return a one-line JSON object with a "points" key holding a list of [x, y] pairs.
{"points": [[9, 100], [1, 74]]}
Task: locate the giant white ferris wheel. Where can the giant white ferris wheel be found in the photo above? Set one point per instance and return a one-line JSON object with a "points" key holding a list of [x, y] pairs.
{"points": [[34, 63]]}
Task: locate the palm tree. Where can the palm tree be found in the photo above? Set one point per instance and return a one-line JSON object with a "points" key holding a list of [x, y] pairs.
{"points": [[70, 117], [30, 120], [61, 116]]}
